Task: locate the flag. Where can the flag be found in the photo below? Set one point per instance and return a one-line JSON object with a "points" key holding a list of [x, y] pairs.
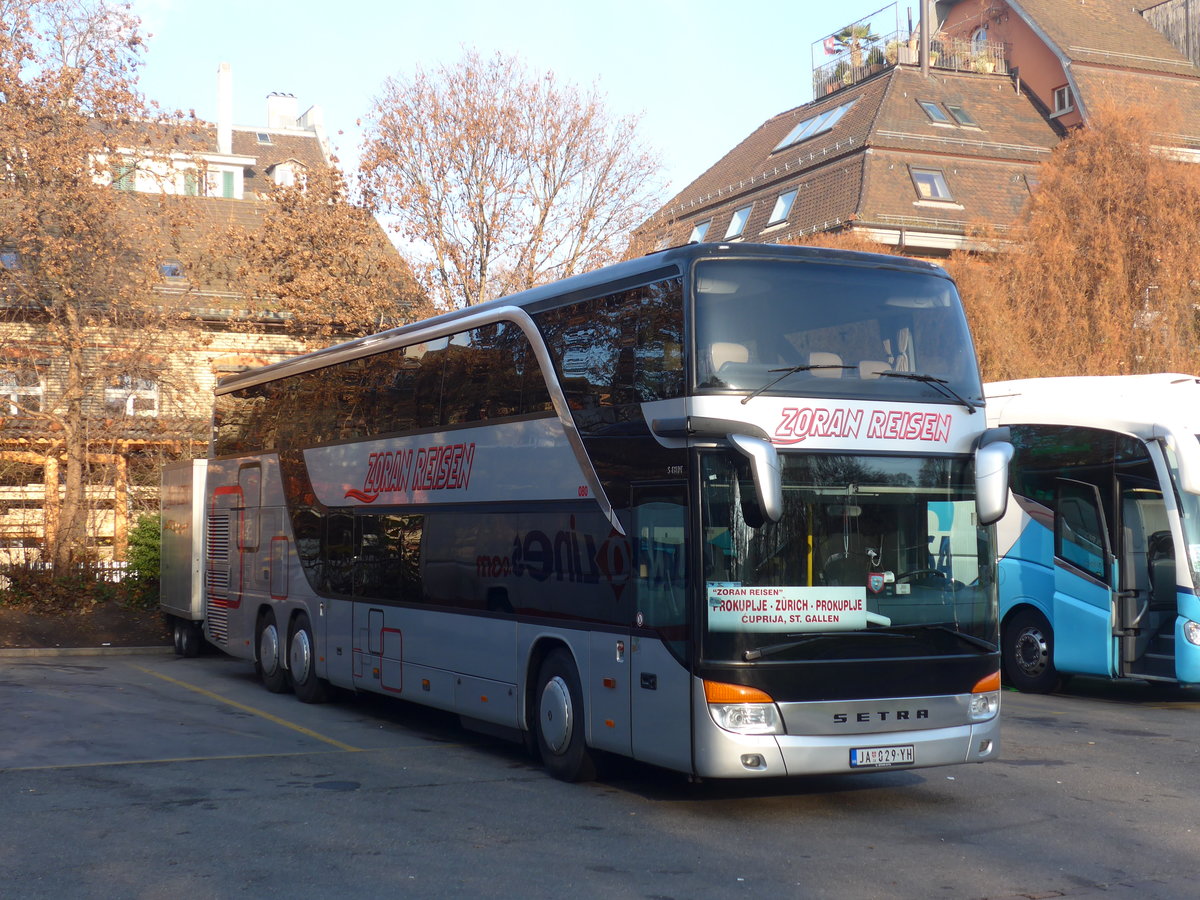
{"points": [[831, 46]]}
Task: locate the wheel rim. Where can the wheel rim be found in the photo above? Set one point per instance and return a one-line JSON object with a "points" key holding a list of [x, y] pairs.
{"points": [[555, 714], [268, 649], [1031, 652], [300, 655]]}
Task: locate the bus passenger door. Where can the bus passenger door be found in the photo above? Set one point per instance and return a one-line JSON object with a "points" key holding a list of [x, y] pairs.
{"points": [[1147, 602], [1084, 598], [660, 682]]}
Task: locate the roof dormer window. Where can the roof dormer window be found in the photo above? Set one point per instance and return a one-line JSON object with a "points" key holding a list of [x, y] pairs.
{"points": [[1064, 101]]}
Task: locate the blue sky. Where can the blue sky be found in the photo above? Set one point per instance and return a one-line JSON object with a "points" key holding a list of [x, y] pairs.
{"points": [[702, 74]]}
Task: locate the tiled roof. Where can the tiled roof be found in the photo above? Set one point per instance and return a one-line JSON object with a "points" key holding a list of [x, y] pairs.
{"points": [[1178, 99], [859, 170], [1105, 32]]}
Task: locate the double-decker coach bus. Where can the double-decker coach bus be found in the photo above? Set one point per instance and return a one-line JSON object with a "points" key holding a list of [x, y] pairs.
{"points": [[720, 509]]}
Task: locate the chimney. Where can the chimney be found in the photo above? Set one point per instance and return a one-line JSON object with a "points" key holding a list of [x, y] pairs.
{"points": [[224, 108], [281, 110]]}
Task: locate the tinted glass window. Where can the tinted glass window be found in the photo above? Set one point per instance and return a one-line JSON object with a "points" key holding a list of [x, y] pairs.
{"points": [[618, 350], [846, 330], [484, 373]]}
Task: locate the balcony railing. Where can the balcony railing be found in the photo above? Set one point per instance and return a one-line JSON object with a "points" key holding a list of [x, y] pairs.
{"points": [[866, 57]]}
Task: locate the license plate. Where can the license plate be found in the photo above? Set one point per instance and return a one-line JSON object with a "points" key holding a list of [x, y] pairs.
{"points": [[862, 757]]}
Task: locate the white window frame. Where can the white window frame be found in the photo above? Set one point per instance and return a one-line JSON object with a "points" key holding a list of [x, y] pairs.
{"points": [[699, 230], [1064, 100], [737, 222], [783, 206], [814, 125], [15, 396], [930, 184], [936, 114], [128, 391]]}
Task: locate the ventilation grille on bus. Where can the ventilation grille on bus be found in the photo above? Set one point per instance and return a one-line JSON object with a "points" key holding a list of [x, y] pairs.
{"points": [[217, 578]]}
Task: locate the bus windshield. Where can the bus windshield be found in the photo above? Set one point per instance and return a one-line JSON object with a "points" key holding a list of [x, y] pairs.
{"points": [[868, 547], [794, 327]]}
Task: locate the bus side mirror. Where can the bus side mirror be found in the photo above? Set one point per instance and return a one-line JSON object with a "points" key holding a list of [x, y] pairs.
{"points": [[991, 481], [764, 464]]}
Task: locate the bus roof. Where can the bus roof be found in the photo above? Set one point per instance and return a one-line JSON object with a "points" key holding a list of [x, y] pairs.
{"points": [[1133, 404], [620, 276]]}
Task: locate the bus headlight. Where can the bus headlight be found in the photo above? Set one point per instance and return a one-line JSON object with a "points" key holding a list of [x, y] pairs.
{"points": [[745, 710], [1191, 631], [984, 706]]}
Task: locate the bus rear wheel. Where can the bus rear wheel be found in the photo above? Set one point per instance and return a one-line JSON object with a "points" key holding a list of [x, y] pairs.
{"points": [[1029, 653], [559, 724], [268, 658], [188, 637], [302, 663]]}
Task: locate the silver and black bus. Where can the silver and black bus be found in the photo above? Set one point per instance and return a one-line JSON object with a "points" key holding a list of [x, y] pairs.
{"points": [[722, 509]]}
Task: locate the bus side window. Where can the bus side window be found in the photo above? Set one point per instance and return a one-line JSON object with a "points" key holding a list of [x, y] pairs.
{"points": [[659, 558], [1080, 535]]}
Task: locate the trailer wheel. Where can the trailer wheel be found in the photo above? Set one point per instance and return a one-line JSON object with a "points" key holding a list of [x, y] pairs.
{"points": [[188, 638], [1029, 653], [560, 729], [302, 662], [268, 660]]}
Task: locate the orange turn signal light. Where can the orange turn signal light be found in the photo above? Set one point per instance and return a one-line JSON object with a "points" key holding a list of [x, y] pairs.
{"points": [[718, 692], [987, 683]]}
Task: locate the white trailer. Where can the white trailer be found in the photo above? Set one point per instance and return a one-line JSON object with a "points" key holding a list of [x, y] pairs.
{"points": [[181, 573]]}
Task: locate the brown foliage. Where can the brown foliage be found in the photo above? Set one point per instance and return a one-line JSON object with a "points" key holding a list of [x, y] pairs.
{"points": [[500, 179], [325, 262], [80, 302], [1102, 276]]}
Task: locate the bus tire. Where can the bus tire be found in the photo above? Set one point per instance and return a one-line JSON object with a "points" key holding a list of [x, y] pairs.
{"points": [[559, 720], [268, 655], [302, 662], [1029, 653], [187, 637]]}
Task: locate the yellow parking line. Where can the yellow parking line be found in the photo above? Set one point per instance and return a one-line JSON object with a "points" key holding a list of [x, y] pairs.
{"points": [[308, 732], [155, 762]]}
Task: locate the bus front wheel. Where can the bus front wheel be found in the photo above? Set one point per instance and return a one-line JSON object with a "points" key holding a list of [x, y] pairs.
{"points": [[1029, 653], [301, 663], [559, 726], [268, 658]]}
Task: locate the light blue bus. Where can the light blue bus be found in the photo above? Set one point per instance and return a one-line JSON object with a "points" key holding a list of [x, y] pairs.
{"points": [[1100, 547]]}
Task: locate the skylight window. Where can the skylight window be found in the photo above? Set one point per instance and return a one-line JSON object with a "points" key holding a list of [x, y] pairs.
{"points": [[699, 230], [814, 125], [738, 223], [783, 207], [263, 137], [961, 116], [936, 113], [930, 184]]}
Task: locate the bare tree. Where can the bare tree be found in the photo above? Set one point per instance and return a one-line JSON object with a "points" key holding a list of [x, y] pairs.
{"points": [[82, 313], [500, 179]]}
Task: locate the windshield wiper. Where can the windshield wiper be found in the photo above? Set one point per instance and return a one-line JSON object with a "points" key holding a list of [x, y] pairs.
{"points": [[939, 383], [772, 649], [963, 636], [791, 370]]}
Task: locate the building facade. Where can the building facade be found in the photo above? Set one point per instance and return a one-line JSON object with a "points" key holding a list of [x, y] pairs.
{"points": [[924, 137], [222, 178]]}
